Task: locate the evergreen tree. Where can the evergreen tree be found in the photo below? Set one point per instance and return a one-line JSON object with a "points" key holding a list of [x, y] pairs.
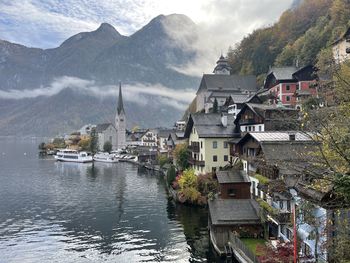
{"points": [[93, 141], [107, 146]]}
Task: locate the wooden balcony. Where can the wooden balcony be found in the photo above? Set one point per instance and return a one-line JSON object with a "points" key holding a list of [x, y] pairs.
{"points": [[196, 162], [194, 147]]}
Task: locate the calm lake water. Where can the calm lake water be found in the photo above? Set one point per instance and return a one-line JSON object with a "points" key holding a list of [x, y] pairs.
{"points": [[66, 212]]}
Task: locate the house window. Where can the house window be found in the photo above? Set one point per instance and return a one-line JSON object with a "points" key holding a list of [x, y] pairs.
{"points": [[287, 98], [297, 86], [225, 158], [306, 249], [215, 158], [253, 128], [250, 128], [194, 130], [231, 192], [201, 145], [288, 205], [281, 204], [259, 128], [246, 128], [110, 139], [215, 144], [225, 145], [287, 87], [201, 157]]}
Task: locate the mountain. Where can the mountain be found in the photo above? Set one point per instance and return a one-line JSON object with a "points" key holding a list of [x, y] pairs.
{"points": [[301, 35], [102, 57]]}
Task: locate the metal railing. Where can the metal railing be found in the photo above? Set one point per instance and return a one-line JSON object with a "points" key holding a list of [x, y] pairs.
{"points": [[241, 248]]}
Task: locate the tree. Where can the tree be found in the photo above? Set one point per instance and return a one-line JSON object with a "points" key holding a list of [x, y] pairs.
{"points": [[171, 175], [215, 106], [181, 155], [107, 146], [93, 141], [42, 146], [188, 186], [84, 144]]}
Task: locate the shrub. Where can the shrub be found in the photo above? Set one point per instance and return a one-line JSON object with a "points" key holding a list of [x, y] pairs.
{"points": [[188, 179], [207, 184], [162, 160]]}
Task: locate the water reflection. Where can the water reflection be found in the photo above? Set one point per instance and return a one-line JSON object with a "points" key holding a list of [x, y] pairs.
{"points": [[70, 212]]}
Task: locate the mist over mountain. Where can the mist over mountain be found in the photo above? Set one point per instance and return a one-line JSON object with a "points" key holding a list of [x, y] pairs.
{"points": [[36, 100]]}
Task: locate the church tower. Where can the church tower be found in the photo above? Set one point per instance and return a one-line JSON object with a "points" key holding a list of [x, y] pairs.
{"points": [[120, 121], [222, 66]]}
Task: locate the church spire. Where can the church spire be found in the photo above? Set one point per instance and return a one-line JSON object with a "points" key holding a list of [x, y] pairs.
{"points": [[120, 107]]}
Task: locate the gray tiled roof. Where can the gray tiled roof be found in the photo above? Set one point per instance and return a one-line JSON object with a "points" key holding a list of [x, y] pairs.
{"points": [[102, 127], [283, 73], [237, 97], [232, 176], [287, 151], [165, 132], [209, 125], [229, 82], [234, 211]]}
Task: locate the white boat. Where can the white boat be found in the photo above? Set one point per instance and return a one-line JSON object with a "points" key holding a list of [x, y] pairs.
{"points": [[68, 155], [105, 157]]}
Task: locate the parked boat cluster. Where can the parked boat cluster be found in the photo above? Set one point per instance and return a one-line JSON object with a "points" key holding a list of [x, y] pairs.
{"points": [[69, 155]]}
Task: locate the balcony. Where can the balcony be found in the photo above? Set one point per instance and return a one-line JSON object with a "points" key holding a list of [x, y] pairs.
{"points": [[282, 217], [196, 162], [194, 147], [247, 121]]}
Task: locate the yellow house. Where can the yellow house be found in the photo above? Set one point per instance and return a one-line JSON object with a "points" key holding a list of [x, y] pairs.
{"points": [[207, 139]]}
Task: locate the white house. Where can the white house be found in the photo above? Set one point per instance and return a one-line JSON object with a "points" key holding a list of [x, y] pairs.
{"points": [[106, 132]]}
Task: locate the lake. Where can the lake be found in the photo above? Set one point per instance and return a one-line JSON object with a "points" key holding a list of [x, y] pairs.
{"points": [[67, 212]]}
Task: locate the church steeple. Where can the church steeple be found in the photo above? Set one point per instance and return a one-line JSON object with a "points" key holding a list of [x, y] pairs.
{"points": [[222, 66], [120, 107], [120, 121]]}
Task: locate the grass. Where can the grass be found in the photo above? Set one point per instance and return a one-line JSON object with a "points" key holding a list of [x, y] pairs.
{"points": [[252, 243]]}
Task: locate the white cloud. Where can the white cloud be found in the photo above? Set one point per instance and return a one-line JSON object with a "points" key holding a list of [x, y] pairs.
{"points": [[46, 23], [138, 93], [222, 24]]}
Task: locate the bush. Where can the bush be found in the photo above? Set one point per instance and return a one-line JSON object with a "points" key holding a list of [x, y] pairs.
{"points": [[188, 179], [207, 184], [162, 160]]}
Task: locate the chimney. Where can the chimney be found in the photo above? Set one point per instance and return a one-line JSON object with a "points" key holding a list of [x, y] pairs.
{"points": [[291, 136], [224, 120]]}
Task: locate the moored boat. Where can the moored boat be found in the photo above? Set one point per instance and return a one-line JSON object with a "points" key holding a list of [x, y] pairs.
{"points": [[68, 155], [105, 157]]}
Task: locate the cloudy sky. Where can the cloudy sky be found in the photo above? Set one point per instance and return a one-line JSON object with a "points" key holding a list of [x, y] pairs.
{"points": [[46, 23]]}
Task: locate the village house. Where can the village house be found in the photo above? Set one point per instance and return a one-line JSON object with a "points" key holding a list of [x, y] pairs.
{"points": [[233, 212], [221, 85], [149, 138], [263, 117], [276, 163], [106, 132], [207, 136], [341, 48], [163, 135], [175, 138], [290, 85]]}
